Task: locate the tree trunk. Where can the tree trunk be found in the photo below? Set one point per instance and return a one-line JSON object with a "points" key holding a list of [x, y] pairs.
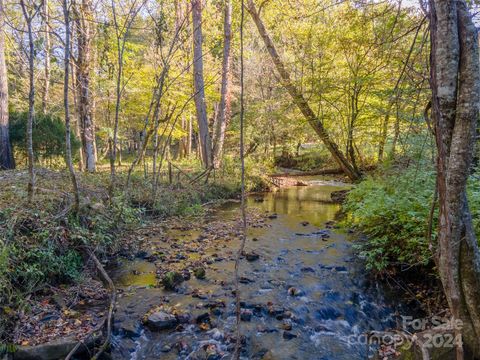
{"points": [[199, 85], [351, 127], [190, 136], [46, 85], [6, 154], [455, 84], [396, 136], [299, 99], [384, 134], [75, 106], [31, 100], [84, 71], [68, 145], [224, 109]]}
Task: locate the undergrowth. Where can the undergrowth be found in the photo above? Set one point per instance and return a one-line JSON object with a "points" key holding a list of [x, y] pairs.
{"points": [[392, 210], [42, 244]]}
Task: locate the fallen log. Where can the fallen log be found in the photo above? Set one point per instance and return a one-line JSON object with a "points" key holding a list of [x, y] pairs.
{"points": [[332, 171]]}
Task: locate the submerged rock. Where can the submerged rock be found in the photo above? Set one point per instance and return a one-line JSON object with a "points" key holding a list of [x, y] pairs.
{"points": [[186, 275], [246, 315], [293, 291], [166, 349], [204, 317], [252, 256], [212, 352], [328, 313], [288, 335], [161, 320], [287, 325]]}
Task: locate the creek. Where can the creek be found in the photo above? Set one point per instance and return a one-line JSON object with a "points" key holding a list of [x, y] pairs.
{"points": [[306, 297]]}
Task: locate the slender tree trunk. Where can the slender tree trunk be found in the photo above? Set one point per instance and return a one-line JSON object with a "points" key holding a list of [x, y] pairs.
{"points": [[46, 85], [31, 100], [190, 136], [182, 144], [384, 134], [351, 127], [224, 108], [68, 145], [199, 85], [299, 99], [93, 107], [396, 136], [455, 83], [75, 106], [6, 154], [120, 153], [84, 72]]}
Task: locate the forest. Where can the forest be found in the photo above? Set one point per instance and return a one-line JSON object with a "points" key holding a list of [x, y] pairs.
{"points": [[239, 179]]}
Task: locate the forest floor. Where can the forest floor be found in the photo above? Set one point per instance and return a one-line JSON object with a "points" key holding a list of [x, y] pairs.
{"points": [[48, 281]]}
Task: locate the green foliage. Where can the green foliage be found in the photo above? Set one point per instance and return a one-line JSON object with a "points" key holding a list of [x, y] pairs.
{"points": [[48, 135], [39, 247], [43, 263], [393, 211]]}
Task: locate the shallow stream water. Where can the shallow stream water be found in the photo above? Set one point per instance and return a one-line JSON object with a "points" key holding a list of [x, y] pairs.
{"points": [[333, 302]]}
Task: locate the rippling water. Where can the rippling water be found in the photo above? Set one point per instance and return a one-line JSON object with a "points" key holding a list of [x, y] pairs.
{"points": [[337, 302]]}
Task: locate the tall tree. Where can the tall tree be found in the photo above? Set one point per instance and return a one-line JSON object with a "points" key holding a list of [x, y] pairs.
{"points": [[84, 16], [121, 32], [30, 11], [6, 155], [199, 85], [68, 145], [224, 107], [299, 99], [46, 85], [455, 85]]}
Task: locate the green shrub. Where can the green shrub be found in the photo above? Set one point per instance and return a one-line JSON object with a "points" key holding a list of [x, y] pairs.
{"points": [[392, 211], [48, 135]]}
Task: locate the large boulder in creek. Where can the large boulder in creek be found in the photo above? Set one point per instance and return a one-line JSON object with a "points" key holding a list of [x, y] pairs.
{"points": [[161, 320]]}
